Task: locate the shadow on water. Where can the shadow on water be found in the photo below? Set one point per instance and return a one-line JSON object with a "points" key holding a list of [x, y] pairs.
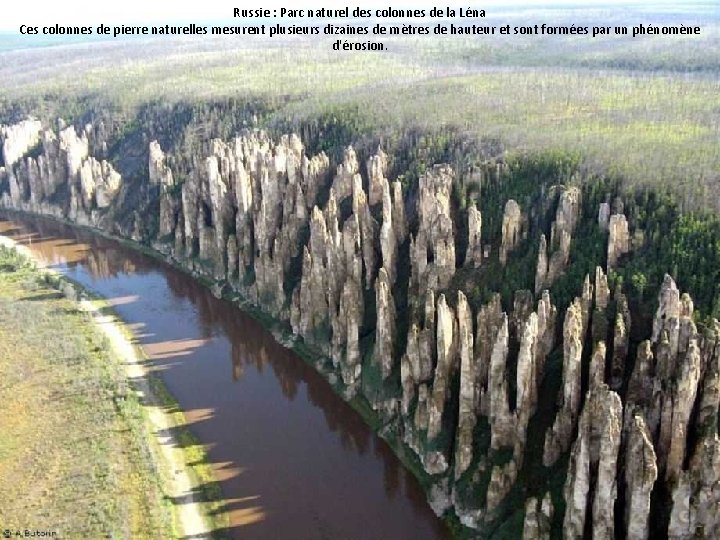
{"points": [[293, 459]]}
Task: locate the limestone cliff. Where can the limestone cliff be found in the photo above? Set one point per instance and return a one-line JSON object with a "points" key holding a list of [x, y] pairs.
{"points": [[471, 379]]}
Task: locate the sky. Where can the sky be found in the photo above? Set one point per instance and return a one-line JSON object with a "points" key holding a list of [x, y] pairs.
{"points": [[113, 12]]}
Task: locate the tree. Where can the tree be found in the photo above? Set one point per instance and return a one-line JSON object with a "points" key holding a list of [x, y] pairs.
{"points": [[639, 283]]}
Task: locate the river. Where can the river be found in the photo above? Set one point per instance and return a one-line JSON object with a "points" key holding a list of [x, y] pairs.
{"points": [[293, 459]]}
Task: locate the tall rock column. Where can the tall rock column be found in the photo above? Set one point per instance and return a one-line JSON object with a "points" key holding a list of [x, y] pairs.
{"points": [[474, 254], [501, 420], [388, 238], [435, 232], [159, 173], [618, 240], [557, 440], [527, 382], [597, 445], [376, 167], [489, 321], [385, 327], [640, 475], [446, 350], [467, 416], [511, 229]]}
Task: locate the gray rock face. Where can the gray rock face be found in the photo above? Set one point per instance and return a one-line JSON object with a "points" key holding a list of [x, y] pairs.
{"points": [[435, 232], [345, 175], [466, 416], [527, 382], [602, 291], [16, 140], [511, 229], [376, 167], [621, 342], [446, 352], [158, 171], [640, 475], [489, 321], [388, 237], [314, 172], [91, 184], [346, 329], [99, 183], [416, 364], [604, 216], [502, 425], [368, 230], [696, 497], [596, 446], [562, 229], [474, 254], [399, 222], [547, 319], [169, 207], [597, 365], [568, 212], [557, 440], [538, 518], [618, 240], [710, 401], [684, 395], [501, 481], [667, 316], [313, 303], [541, 270], [385, 329]]}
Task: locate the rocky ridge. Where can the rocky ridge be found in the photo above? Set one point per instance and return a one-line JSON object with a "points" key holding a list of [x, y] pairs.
{"points": [[458, 384]]}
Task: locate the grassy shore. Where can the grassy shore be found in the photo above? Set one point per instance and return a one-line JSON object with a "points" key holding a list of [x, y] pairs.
{"points": [[76, 453]]}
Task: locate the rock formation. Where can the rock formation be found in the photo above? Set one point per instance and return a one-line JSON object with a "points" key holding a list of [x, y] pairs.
{"points": [[158, 171], [558, 439], [596, 448], [474, 254], [435, 236], [466, 417], [538, 518], [640, 475], [618, 240], [376, 167], [604, 216], [446, 350], [17, 139], [259, 218], [501, 421], [511, 229], [541, 270], [561, 231], [385, 336]]}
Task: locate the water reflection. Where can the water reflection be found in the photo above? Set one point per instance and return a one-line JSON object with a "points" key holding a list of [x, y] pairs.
{"points": [[293, 459]]}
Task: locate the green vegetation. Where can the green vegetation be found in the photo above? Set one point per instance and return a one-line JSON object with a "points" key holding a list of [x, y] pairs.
{"points": [[74, 454], [618, 102], [82, 407]]}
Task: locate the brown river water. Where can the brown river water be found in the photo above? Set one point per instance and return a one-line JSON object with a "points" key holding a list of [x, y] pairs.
{"points": [[293, 459]]}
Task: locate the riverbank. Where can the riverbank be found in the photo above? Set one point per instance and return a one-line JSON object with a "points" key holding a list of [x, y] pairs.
{"points": [[100, 443]]}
